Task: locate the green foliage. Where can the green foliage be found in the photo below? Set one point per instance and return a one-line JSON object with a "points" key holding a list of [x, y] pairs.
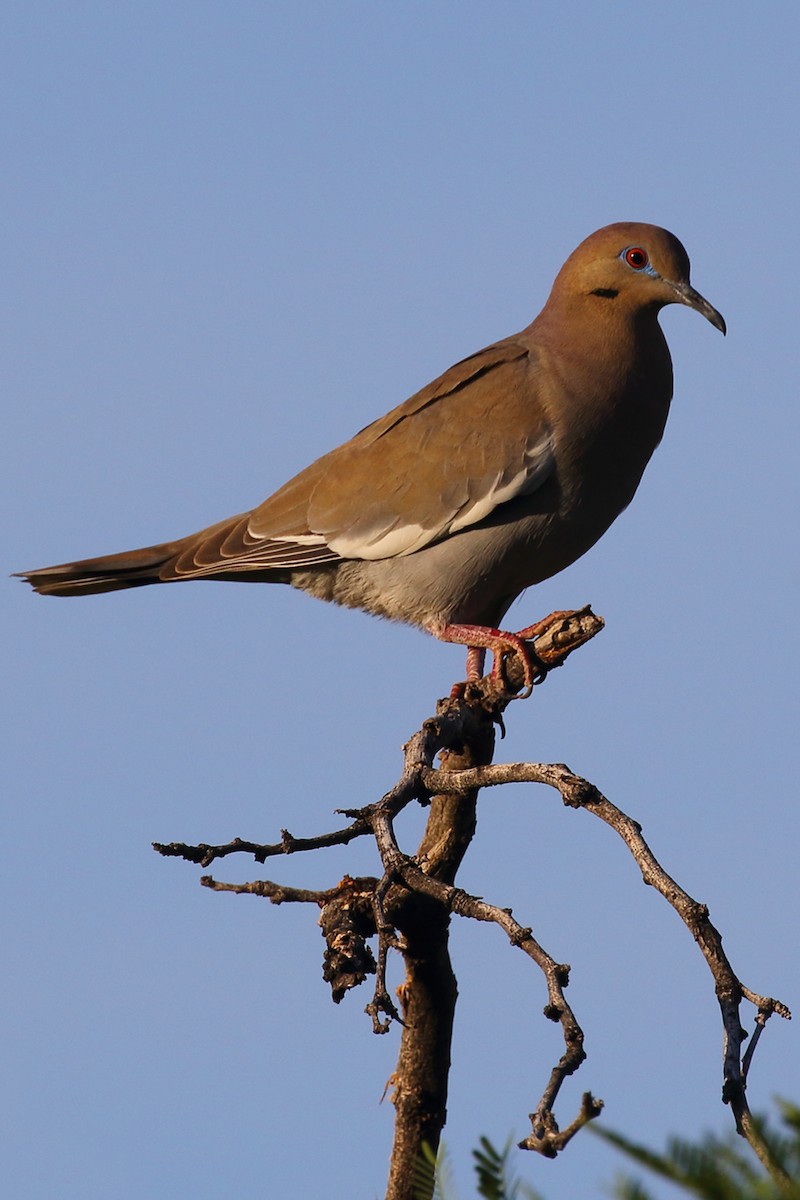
{"points": [[718, 1168], [424, 1183], [433, 1179], [713, 1168], [494, 1180]]}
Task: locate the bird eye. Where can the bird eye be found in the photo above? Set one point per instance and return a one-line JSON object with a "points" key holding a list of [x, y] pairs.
{"points": [[636, 257]]}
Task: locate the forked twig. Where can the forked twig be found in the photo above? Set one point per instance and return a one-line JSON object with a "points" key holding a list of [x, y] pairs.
{"points": [[409, 906]]}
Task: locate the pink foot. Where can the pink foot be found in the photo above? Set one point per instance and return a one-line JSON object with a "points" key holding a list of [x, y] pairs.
{"points": [[480, 638]]}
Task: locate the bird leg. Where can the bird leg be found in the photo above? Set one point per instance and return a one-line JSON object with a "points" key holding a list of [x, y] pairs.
{"points": [[479, 639], [476, 659], [531, 632]]}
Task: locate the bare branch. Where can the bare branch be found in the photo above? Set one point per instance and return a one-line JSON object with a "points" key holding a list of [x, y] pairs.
{"points": [[578, 793], [409, 908], [278, 893], [203, 854]]}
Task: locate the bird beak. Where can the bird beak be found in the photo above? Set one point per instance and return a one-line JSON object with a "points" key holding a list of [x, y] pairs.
{"points": [[685, 294]]}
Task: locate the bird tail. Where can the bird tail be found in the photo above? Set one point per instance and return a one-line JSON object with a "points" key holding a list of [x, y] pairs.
{"points": [[226, 551], [132, 568]]}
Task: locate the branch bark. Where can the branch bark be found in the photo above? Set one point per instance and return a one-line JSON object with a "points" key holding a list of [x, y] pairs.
{"points": [[409, 908]]}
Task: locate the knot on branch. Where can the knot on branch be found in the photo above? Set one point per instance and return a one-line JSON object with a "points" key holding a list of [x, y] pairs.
{"points": [[347, 920], [545, 1137], [409, 908]]}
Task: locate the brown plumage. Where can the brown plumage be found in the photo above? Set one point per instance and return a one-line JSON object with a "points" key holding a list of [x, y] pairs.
{"points": [[496, 476]]}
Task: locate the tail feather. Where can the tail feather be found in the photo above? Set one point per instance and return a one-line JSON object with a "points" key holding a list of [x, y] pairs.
{"points": [[109, 573], [226, 551]]}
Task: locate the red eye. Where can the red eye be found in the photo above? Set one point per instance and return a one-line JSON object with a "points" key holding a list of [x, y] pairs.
{"points": [[636, 257]]}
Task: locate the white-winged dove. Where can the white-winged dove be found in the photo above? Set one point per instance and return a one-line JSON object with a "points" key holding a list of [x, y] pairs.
{"points": [[497, 475]]}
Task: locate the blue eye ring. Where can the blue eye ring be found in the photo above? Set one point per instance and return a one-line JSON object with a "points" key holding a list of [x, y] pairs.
{"points": [[636, 258]]}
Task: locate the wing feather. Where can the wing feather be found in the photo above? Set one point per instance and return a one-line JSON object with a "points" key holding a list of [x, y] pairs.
{"points": [[444, 460]]}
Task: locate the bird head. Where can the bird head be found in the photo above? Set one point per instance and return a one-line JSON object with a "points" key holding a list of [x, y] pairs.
{"points": [[633, 267]]}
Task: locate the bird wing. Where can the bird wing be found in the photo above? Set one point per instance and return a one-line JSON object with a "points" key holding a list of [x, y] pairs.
{"points": [[444, 460]]}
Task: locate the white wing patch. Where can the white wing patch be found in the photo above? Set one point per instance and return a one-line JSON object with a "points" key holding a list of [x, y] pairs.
{"points": [[298, 539], [388, 543], [396, 539], [375, 536], [537, 464]]}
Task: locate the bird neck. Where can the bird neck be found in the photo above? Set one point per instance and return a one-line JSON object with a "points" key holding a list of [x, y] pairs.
{"points": [[605, 348], [609, 386]]}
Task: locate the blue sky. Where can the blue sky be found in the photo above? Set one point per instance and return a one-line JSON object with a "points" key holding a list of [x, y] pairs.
{"points": [[233, 235]]}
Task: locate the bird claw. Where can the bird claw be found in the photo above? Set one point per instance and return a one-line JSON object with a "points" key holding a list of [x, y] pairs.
{"points": [[479, 639]]}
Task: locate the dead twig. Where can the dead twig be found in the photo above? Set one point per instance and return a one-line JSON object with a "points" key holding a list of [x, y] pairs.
{"points": [[408, 909]]}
